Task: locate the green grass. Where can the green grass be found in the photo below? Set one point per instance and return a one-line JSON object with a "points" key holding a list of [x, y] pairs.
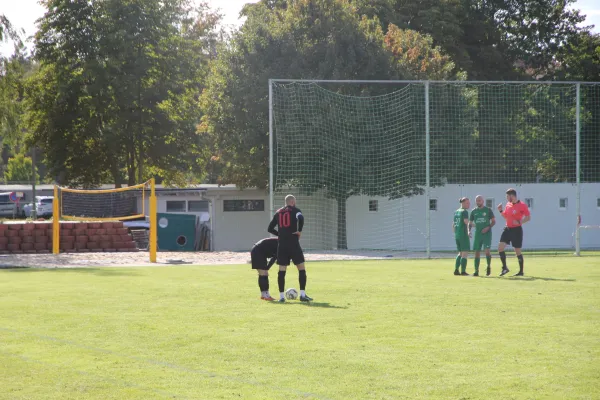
{"points": [[377, 330]]}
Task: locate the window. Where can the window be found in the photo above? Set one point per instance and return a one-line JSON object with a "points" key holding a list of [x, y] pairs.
{"points": [[598, 202], [529, 202], [562, 203], [243, 205], [433, 204], [176, 206], [374, 205], [198, 206], [489, 203]]}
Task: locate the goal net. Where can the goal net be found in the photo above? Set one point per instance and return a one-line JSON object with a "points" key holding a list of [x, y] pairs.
{"points": [[92, 220], [381, 165]]}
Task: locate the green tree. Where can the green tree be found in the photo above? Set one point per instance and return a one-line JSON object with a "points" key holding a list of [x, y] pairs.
{"points": [[490, 40], [117, 87], [19, 169]]}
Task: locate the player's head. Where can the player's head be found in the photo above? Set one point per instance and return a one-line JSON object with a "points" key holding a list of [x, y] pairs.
{"points": [[465, 202], [511, 195], [290, 200], [479, 200]]}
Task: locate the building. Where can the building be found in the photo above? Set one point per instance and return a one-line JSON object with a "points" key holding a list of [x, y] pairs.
{"points": [[239, 218]]}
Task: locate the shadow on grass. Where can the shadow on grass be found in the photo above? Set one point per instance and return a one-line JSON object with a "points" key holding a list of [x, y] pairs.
{"points": [[109, 271], [310, 304], [532, 278], [177, 262]]}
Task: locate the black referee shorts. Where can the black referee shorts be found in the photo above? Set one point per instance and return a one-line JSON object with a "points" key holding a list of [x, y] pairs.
{"points": [[289, 251], [513, 236]]}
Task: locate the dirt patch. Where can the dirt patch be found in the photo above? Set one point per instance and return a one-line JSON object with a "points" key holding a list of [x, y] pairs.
{"points": [[76, 260]]}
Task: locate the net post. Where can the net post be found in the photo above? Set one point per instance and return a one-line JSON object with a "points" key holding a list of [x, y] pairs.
{"points": [[578, 166], [55, 223], [271, 189], [427, 178], [153, 224]]}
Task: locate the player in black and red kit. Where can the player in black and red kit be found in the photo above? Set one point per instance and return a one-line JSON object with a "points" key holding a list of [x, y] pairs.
{"points": [[289, 221], [260, 253]]}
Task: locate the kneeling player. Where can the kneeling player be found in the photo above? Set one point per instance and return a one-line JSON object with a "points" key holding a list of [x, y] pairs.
{"points": [[290, 221], [261, 251]]}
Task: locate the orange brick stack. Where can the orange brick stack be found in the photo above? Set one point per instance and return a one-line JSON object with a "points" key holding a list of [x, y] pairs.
{"points": [[85, 237], [36, 238], [28, 238]]}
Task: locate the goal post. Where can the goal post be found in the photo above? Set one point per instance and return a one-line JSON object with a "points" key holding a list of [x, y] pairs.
{"points": [[380, 165], [105, 205]]}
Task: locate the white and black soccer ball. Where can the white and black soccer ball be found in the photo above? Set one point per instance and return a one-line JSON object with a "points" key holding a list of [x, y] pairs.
{"points": [[291, 294]]}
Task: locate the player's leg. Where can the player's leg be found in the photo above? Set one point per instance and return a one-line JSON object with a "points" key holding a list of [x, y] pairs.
{"points": [[477, 248], [263, 283], [259, 263], [504, 240], [281, 282], [487, 245], [463, 262], [518, 244], [458, 258], [283, 260], [298, 259], [488, 259]]}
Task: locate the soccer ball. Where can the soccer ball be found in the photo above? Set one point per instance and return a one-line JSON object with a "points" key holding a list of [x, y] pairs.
{"points": [[291, 294]]}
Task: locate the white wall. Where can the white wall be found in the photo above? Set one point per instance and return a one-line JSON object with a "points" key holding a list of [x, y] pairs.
{"points": [[400, 224]]}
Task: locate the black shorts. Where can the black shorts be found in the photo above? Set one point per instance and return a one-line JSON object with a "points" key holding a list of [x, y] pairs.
{"points": [[259, 260], [287, 251], [513, 236]]}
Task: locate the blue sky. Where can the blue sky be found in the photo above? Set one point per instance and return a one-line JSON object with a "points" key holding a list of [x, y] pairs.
{"points": [[23, 14]]}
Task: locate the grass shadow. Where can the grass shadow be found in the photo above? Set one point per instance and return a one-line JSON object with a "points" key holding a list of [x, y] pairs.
{"points": [[309, 304], [532, 278], [95, 271], [176, 262]]}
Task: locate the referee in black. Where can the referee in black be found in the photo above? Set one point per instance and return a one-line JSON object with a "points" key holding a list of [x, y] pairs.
{"points": [[261, 251], [289, 221]]}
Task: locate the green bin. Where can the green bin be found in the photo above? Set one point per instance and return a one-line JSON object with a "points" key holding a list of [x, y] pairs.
{"points": [[176, 232]]}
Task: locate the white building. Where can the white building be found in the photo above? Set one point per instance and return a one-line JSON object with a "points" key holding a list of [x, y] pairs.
{"points": [[239, 218]]}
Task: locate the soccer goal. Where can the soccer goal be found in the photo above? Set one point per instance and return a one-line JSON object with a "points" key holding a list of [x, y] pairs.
{"points": [[101, 213], [380, 165]]}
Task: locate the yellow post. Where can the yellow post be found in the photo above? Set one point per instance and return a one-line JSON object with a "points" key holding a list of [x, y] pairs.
{"points": [[153, 223], [55, 223]]}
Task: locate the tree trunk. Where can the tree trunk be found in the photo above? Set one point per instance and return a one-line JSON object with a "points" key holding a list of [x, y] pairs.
{"points": [[342, 239]]}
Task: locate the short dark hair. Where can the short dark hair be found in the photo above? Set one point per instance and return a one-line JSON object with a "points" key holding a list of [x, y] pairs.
{"points": [[462, 199], [511, 191]]}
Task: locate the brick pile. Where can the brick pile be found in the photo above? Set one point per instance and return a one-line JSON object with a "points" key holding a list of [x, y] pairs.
{"points": [[82, 237]]}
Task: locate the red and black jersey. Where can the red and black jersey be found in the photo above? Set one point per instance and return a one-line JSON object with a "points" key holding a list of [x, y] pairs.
{"points": [[288, 220]]}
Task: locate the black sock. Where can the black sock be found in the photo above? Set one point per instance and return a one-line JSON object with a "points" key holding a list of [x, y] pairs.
{"points": [[263, 283], [281, 281], [302, 279], [503, 258], [521, 262]]}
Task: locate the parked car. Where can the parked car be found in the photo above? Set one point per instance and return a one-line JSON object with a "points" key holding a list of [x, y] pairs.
{"points": [[43, 207], [8, 208]]}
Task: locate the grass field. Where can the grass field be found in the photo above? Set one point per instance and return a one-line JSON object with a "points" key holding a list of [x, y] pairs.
{"points": [[377, 330]]}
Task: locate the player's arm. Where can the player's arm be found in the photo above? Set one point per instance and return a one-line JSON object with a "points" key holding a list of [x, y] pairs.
{"points": [[465, 216], [471, 220], [501, 211], [300, 219], [271, 229], [527, 216]]}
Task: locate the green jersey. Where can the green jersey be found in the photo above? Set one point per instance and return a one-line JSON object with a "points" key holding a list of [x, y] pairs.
{"points": [[460, 228], [481, 217]]}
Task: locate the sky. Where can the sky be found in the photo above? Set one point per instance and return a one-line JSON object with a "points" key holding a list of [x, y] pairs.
{"points": [[24, 13]]}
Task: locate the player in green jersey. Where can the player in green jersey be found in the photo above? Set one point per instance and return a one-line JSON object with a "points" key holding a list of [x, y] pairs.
{"points": [[482, 218], [462, 233]]}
